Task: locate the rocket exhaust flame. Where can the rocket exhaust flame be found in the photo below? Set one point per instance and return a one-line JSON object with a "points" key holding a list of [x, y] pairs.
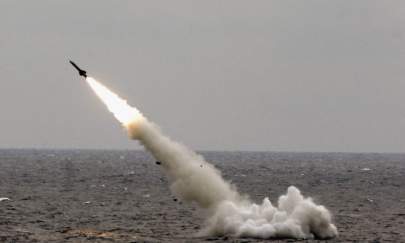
{"points": [[123, 112], [192, 179]]}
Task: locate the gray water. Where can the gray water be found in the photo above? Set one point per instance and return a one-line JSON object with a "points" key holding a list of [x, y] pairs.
{"points": [[55, 195]]}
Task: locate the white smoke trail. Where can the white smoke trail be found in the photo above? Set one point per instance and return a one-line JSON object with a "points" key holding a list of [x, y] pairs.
{"points": [[195, 180], [192, 179]]}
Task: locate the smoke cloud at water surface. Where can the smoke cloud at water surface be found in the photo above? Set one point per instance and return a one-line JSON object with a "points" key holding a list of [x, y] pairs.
{"points": [[192, 179]]}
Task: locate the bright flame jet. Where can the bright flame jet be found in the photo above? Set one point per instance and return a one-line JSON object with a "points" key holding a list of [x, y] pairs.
{"points": [[123, 112]]}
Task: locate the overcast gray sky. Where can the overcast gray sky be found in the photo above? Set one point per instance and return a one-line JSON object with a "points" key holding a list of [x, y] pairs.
{"points": [[216, 75]]}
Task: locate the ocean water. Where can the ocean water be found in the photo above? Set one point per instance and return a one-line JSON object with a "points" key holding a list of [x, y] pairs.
{"points": [[214, 156], [55, 195]]}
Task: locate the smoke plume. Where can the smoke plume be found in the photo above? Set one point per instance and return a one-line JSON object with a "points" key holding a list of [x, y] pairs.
{"points": [[192, 179]]}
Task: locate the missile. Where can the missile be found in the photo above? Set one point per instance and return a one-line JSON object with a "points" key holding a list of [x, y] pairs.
{"points": [[81, 72]]}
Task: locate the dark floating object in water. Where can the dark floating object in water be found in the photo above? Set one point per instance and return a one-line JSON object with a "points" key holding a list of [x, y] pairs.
{"points": [[158, 162]]}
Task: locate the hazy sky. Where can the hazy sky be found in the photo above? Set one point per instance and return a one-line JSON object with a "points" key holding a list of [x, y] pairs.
{"points": [[216, 75]]}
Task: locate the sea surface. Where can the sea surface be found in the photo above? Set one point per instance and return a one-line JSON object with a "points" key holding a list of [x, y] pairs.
{"points": [[124, 196]]}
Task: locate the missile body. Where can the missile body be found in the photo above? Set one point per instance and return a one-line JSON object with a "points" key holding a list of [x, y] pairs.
{"points": [[81, 72]]}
